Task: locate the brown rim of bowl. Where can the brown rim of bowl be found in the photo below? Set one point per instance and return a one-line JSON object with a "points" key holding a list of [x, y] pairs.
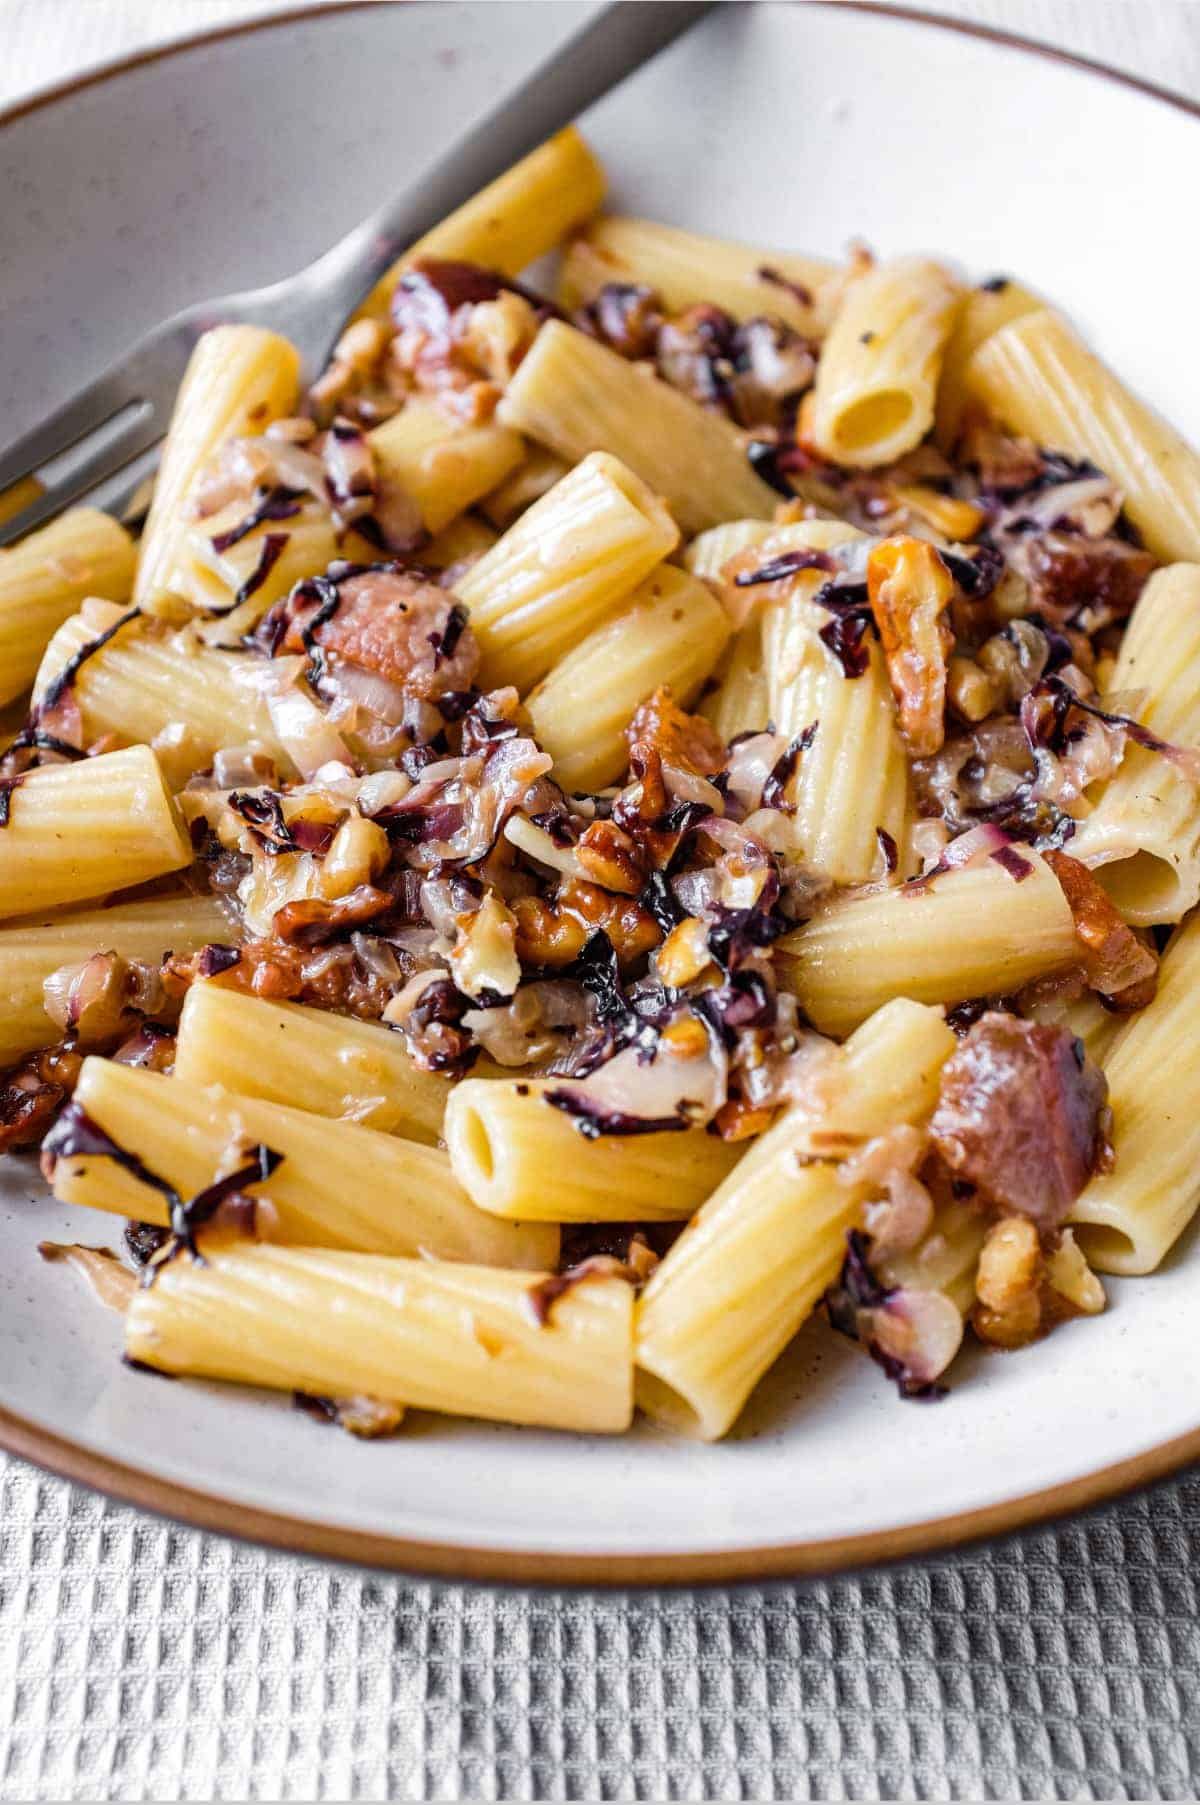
{"points": [[523, 1567]]}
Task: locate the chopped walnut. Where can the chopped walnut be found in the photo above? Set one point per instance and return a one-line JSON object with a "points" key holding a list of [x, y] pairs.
{"points": [[910, 590], [679, 738], [555, 932], [1008, 1309]]}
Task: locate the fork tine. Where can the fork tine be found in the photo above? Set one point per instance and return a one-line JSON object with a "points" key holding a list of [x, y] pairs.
{"points": [[86, 411], [95, 480]]}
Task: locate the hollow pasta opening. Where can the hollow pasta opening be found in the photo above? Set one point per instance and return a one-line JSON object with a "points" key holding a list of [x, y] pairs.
{"points": [[1107, 1249], [477, 1145], [666, 1405], [873, 420], [1145, 888]]}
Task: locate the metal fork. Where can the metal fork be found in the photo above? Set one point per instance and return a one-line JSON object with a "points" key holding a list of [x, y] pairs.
{"points": [[132, 400]]}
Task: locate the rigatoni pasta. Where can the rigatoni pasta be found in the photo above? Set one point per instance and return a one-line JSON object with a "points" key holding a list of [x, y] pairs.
{"points": [[609, 830], [576, 397], [45, 578], [877, 379]]}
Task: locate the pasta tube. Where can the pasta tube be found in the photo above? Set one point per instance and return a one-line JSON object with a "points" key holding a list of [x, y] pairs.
{"points": [[330, 1065], [238, 380], [444, 465], [745, 1274], [1143, 836], [1129, 1218], [967, 933], [44, 579], [539, 472], [465, 538], [741, 702], [40, 945], [74, 831], [850, 786], [1038, 377], [710, 552], [519, 1157], [148, 678], [878, 373], [564, 567], [577, 396], [514, 220], [686, 267], [212, 579], [455, 1338], [673, 632], [985, 310], [337, 1185]]}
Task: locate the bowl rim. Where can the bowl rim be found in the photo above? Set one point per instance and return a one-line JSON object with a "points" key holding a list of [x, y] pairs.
{"points": [[210, 1511]]}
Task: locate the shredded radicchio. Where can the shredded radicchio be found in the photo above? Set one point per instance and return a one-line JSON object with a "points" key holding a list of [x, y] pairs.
{"points": [[76, 1136], [859, 1289], [1017, 867], [659, 900], [7, 786], [272, 550], [186, 1218], [444, 643], [592, 1119], [263, 815], [786, 565], [58, 686], [774, 791], [215, 958], [276, 504], [889, 849]]}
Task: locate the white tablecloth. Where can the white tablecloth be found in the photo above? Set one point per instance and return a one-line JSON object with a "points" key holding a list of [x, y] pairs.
{"points": [[143, 1661]]}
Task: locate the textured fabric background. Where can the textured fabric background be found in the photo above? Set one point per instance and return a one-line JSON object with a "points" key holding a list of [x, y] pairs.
{"points": [[143, 1661]]}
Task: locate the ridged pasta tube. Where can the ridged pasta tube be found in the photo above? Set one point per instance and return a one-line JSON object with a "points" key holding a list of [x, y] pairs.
{"points": [[439, 1336], [81, 830], [672, 632], [329, 1065], [745, 1274], [1128, 1219], [1143, 836], [518, 1156], [38, 945], [44, 579], [563, 567], [686, 267], [238, 379], [148, 678], [443, 464], [878, 373], [577, 396], [967, 933], [338, 1184], [984, 311], [1037, 377]]}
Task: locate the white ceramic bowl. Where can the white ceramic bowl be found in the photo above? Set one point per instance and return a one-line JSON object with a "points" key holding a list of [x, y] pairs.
{"points": [[237, 158]]}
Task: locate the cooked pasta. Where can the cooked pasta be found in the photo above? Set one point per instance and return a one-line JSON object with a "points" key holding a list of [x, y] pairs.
{"points": [[611, 826], [45, 578]]}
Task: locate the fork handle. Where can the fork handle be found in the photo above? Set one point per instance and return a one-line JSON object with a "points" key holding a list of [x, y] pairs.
{"points": [[610, 46]]}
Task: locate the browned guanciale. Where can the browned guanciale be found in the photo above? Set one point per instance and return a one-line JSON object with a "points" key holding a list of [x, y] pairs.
{"points": [[1115, 962], [1021, 1116], [392, 622]]}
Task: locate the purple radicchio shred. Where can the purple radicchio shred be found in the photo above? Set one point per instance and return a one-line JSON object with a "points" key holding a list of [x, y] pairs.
{"points": [[445, 642], [542, 1297], [976, 575], [995, 285], [7, 787], [272, 550], [76, 1136], [859, 1289], [557, 823], [743, 1001], [35, 739], [144, 1240], [593, 1120], [1141, 736], [965, 1015], [584, 1240], [659, 901], [187, 1217], [65, 679], [774, 791], [440, 821], [767, 273], [215, 958], [845, 634], [264, 817], [598, 971], [770, 462], [275, 504], [480, 729], [324, 1409], [414, 759], [1010, 860], [737, 934], [889, 849], [786, 565]]}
